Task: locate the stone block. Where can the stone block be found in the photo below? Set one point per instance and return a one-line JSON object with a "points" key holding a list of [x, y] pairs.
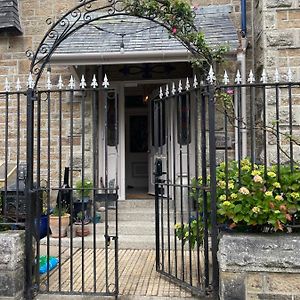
{"points": [[278, 3], [259, 253], [283, 283], [232, 286], [11, 283], [254, 282], [11, 250], [279, 39], [252, 296]]}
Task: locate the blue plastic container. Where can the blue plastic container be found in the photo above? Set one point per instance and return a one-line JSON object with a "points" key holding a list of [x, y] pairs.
{"points": [[43, 226]]}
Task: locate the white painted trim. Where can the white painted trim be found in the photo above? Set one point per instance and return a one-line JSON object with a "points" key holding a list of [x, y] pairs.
{"points": [[122, 185], [116, 58]]}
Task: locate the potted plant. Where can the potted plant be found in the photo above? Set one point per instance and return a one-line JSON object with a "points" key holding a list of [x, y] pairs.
{"points": [[59, 221], [83, 190], [81, 221]]}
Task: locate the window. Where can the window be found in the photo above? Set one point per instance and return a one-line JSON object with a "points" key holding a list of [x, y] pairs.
{"points": [[184, 120]]}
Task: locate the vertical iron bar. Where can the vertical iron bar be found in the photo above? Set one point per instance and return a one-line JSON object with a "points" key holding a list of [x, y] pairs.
{"points": [[252, 124], [213, 185], [265, 131], [60, 183], [71, 184], [117, 192], [48, 185], [277, 133], [187, 116], [204, 184], [157, 226], [167, 129], [6, 151], [239, 117], [18, 152], [181, 188], [161, 147], [38, 189], [82, 180], [174, 135], [95, 185], [291, 127], [29, 188], [196, 114], [106, 190]]}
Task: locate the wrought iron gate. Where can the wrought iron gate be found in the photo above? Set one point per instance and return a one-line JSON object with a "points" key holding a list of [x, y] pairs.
{"points": [[185, 207], [68, 131]]}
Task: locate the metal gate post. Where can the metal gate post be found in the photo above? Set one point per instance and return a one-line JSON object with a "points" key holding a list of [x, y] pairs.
{"points": [[213, 183], [29, 197]]}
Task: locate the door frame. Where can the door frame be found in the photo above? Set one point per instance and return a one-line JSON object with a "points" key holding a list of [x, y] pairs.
{"points": [[120, 88]]}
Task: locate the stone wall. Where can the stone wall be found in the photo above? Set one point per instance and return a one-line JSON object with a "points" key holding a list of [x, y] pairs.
{"points": [[277, 35], [12, 244], [254, 267]]}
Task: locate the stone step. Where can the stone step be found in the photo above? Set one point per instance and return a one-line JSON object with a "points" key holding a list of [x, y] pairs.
{"points": [[125, 242], [131, 228], [143, 214]]}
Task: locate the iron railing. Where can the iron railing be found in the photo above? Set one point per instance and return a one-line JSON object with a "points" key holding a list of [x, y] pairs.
{"points": [[198, 129]]}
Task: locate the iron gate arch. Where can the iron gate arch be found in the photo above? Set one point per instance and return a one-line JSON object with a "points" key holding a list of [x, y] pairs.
{"points": [[83, 14]]}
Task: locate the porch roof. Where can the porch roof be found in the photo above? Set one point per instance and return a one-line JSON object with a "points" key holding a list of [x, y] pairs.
{"points": [[144, 40], [9, 17]]}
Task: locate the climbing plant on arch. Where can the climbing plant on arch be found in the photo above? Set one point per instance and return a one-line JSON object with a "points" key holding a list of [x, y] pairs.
{"points": [[177, 16]]}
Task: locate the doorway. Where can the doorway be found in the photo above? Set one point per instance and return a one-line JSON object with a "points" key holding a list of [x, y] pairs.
{"points": [[137, 139]]}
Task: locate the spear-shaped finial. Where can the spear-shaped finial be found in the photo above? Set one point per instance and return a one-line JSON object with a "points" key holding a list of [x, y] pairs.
{"points": [[238, 78], [211, 75], [7, 85], [105, 83], [195, 84], [251, 78], [225, 78], [167, 92], [173, 91], [18, 85], [180, 86], [60, 84], [94, 83], [30, 82], [263, 78], [82, 82], [71, 83], [276, 76]]}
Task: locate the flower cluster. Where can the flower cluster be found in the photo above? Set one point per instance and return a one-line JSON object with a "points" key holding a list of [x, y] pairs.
{"points": [[252, 195]]}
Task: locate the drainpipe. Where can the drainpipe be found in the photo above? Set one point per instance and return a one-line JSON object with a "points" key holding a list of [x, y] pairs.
{"points": [[241, 58]]}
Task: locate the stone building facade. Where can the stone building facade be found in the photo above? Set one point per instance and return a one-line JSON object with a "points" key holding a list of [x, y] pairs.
{"points": [[273, 41]]}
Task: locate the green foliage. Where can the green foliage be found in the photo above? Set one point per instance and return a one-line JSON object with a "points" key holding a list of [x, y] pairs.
{"points": [[84, 188], [253, 197], [259, 198], [59, 212], [191, 232]]}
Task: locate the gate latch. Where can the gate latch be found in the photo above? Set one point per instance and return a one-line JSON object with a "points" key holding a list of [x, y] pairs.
{"points": [[158, 167]]}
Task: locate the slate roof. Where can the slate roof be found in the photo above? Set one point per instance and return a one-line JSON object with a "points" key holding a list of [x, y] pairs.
{"points": [[9, 17], [214, 21]]}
